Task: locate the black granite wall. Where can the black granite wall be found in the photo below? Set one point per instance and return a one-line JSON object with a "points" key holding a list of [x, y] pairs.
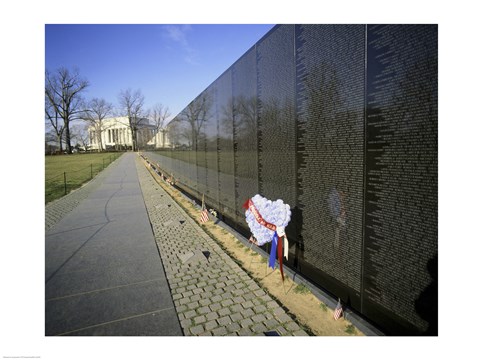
{"points": [[339, 121]]}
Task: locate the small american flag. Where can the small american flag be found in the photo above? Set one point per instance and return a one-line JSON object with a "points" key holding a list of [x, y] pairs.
{"points": [[338, 311], [204, 216], [204, 213]]}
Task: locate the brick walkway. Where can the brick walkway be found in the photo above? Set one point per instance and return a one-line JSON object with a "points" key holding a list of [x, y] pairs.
{"points": [[211, 293]]}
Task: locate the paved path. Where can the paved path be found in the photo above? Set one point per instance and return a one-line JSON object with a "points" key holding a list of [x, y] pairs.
{"points": [[104, 275]]}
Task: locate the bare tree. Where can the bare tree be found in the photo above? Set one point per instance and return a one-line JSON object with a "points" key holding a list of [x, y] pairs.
{"points": [[79, 133], [63, 90], [245, 118], [97, 110], [195, 115], [131, 106], [175, 133], [53, 120], [159, 115], [51, 138]]}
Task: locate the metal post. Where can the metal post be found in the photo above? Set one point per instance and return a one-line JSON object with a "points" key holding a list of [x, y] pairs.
{"points": [[65, 181]]}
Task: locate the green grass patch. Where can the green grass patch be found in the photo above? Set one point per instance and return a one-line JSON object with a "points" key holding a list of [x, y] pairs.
{"points": [[301, 289], [323, 307], [76, 169], [238, 244], [350, 329]]}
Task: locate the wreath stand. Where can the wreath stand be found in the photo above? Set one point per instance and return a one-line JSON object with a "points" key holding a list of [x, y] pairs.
{"points": [[266, 264]]}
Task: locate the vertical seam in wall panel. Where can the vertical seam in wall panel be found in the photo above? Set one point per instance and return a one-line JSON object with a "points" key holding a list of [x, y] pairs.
{"points": [[256, 120], [196, 182], [235, 222], [362, 278], [257, 114], [218, 152], [295, 113], [298, 179]]}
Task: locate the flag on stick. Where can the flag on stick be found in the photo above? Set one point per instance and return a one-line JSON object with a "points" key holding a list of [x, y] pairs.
{"points": [[338, 310], [204, 213]]}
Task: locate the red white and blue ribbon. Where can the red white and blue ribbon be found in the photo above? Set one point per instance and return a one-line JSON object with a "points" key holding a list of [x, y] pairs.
{"points": [[277, 249]]}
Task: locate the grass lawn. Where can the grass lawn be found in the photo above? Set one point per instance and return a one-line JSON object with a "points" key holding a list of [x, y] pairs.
{"points": [[75, 168]]}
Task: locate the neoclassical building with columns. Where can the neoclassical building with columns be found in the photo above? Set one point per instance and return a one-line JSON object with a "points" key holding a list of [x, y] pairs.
{"points": [[115, 133]]}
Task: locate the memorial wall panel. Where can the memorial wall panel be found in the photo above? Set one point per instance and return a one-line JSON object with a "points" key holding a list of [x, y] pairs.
{"points": [[201, 141], [245, 131], [185, 173], [276, 115], [191, 162], [185, 157], [330, 106], [211, 156], [401, 175], [167, 162], [224, 111]]}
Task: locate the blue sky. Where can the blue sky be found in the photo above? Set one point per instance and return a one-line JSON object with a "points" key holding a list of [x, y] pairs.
{"points": [[170, 64]]}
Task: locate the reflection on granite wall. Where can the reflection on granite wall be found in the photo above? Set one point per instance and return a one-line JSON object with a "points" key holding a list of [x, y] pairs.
{"points": [[339, 121]]}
